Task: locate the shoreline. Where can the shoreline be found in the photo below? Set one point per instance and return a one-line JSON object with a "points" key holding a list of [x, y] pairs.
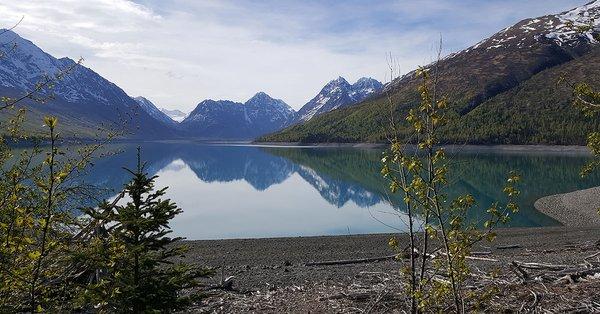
{"points": [[275, 275], [503, 148], [311, 238], [305, 249], [509, 148]]}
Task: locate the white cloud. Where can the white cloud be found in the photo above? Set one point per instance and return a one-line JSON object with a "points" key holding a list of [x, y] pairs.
{"points": [[178, 52]]}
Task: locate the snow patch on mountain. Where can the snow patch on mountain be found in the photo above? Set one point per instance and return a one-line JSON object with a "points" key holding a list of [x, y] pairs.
{"points": [[576, 23], [76, 92], [25, 65], [572, 28]]}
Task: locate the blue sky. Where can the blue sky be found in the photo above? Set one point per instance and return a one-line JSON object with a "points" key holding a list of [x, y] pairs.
{"points": [[179, 52]]}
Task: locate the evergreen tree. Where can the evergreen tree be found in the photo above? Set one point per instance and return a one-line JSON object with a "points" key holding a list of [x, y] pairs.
{"points": [[132, 258]]}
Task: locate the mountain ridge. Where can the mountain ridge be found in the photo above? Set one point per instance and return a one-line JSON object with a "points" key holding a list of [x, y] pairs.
{"points": [[225, 119], [339, 93], [86, 103], [474, 77]]}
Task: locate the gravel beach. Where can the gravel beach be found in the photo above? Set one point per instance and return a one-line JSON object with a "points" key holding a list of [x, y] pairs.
{"points": [[272, 275], [575, 209]]}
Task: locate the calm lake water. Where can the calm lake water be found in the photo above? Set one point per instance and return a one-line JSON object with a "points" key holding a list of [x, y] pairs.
{"points": [[249, 191]]}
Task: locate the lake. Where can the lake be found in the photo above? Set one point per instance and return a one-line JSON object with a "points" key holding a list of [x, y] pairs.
{"points": [[229, 191]]}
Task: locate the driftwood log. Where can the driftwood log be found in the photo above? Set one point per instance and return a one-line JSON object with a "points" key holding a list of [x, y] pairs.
{"points": [[353, 261], [506, 247], [388, 257]]}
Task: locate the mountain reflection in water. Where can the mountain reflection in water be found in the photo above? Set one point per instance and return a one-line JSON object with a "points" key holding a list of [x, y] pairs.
{"points": [[249, 191]]}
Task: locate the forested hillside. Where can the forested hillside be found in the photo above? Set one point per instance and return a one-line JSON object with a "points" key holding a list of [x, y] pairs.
{"points": [[504, 90]]}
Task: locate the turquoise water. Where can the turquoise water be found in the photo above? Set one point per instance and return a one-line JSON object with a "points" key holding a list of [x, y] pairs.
{"points": [[249, 191]]}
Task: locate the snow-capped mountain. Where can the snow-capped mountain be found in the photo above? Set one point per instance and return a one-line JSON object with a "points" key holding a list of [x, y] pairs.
{"points": [[564, 36], [153, 111], [339, 93], [86, 101], [175, 115], [364, 88], [514, 54], [224, 119], [82, 100]]}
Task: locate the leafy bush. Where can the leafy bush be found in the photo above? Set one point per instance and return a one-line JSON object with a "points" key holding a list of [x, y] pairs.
{"points": [[436, 277]]}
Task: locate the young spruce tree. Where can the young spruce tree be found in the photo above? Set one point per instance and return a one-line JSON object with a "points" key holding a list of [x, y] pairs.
{"points": [[132, 256]]}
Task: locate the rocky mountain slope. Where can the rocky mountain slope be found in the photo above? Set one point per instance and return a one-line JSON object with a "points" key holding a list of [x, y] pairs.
{"points": [[88, 105], [85, 103], [502, 90], [263, 114]]}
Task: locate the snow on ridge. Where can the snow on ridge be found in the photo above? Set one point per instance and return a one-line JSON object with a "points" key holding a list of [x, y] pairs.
{"points": [[561, 28], [526, 33], [584, 16], [260, 112]]}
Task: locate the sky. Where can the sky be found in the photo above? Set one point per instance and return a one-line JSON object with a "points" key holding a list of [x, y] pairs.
{"points": [[179, 52]]}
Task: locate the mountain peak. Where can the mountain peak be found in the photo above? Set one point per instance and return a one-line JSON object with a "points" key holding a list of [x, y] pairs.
{"points": [[339, 93], [269, 106], [338, 81], [217, 102], [367, 83], [259, 115], [365, 79], [260, 96]]}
